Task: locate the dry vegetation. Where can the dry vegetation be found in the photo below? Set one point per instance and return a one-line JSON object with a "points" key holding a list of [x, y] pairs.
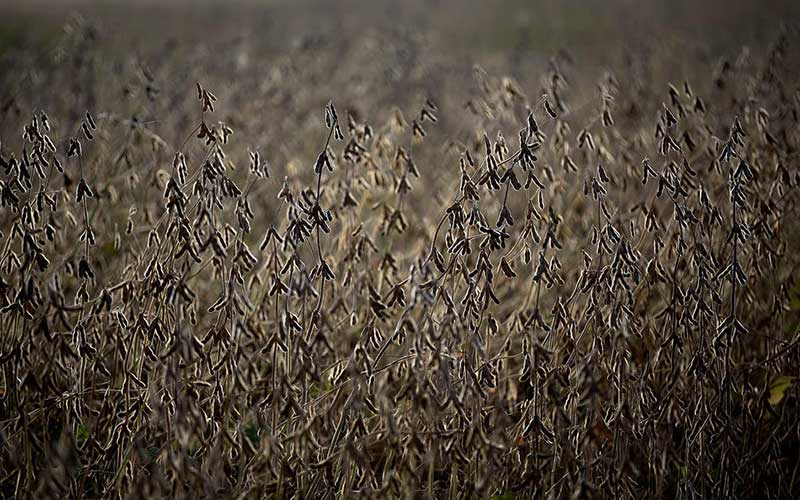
{"points": [[453, 282]]}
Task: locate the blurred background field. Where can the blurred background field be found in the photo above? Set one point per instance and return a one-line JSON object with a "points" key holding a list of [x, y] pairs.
{"points": [[276, 63]]}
